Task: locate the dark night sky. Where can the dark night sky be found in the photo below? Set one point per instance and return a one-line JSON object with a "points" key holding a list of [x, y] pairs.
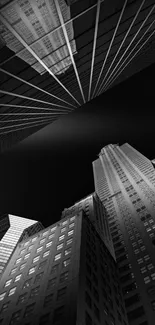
{"points": [[52, 169]]}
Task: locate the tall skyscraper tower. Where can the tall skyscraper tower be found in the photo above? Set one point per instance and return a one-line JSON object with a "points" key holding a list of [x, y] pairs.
{"points": [[62, 275], [16, 229], [125, 182]]}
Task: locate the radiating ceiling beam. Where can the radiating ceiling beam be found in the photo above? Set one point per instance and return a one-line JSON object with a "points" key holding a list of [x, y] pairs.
{"points": [[94, 46], [128, 31], [20, 39], [41, 118], [36, 87], [25, 127], [112, 40], [22, 124], [29, 98], [58, 111], [69, 46], [117, 75], [141, 26]]}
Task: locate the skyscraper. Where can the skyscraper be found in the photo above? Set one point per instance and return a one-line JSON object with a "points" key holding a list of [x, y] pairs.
{"points": [[95, 211], [17, 228], [125, 182], [62, 275]]}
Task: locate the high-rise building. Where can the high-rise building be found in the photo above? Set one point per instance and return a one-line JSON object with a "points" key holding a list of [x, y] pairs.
{"points": [[125, 182], [62, 275], [4, 225], [95, 211], [16, 229]]}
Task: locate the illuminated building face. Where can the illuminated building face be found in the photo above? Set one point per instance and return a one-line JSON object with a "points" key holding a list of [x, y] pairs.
{"points": [[35, 23]]}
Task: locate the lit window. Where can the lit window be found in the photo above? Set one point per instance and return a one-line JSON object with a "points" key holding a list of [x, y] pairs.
{"points": [[148, 229], [17, 278], [5, 306], [49, 244], [71, 225], [61, 237], [13, 270], [151, 220], [64, 223], [32, 270], [22, 266], [30, 247], [23, 250], [2, 295], [57, 257], [136, 251], [34, 239], [26, 243], [70, 232], [143, 269], [59, 246], [36, 259], [27, 283], [63, 229], [54, 228], [67, 251], [45, 233], [146, 257], [19, 260], [153, 276], [69, 241], [7, 283], [51, 236], [66, 262], [72, 218], [147, 279], [153, 226], [140, 261], [42, 240], [46, 253], [39, 249], [143, 248], [26, 256], [12, 291], [150, 266]]}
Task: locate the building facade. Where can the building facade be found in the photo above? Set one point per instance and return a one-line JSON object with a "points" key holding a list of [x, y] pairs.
{"points": [[125, 182], [17, 228], [95, 211], [62, 275]]}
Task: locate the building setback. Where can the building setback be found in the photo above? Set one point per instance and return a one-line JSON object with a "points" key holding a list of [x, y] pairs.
{"points": [[62, 275], [14, 229], [125, 182]]}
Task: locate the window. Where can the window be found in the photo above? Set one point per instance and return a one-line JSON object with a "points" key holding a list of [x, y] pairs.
{"points": [[88, 319], [29, 309], [96, 312], [42, 265], [7, 283], [64, 277], [26, 243], [58, 314], [59, 246], [63, 229], [12, 291], [18, 260], [57, 257], [151, 291], [70, 232], [39, 249], [140, 261], [34, 239], [95, 280], [32, 270], [72, 218], [13, 270], [49, 244], [17, 278], [27, 283], [30, 247], [64, 223], [54, 269], [22, 251], [51, 236], [129, 288], [46, 253], [36, 259], [42, 240], [66, 262], [143, 269], [61, 293], [132, 300], [153, 304], [34, 292], [26, 256], [88, 283], [51, 283], [52, 229], [67, 251], [38, 277], [88, 299], [147, 279], [69, 241], [61, 237], [22, 298], [48, 300], [45, 233], [146, 257], [136, 313], [2, 295], [153, 276], [5, 307], [150, 266], [95, 293], [71, 225], [22, 266], [15, 317]]}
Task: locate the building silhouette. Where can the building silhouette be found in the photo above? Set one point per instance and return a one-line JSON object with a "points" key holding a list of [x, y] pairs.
{"points": [[54, 62], [92, 206], [64, 274], [13, 229], [125, 182]]}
